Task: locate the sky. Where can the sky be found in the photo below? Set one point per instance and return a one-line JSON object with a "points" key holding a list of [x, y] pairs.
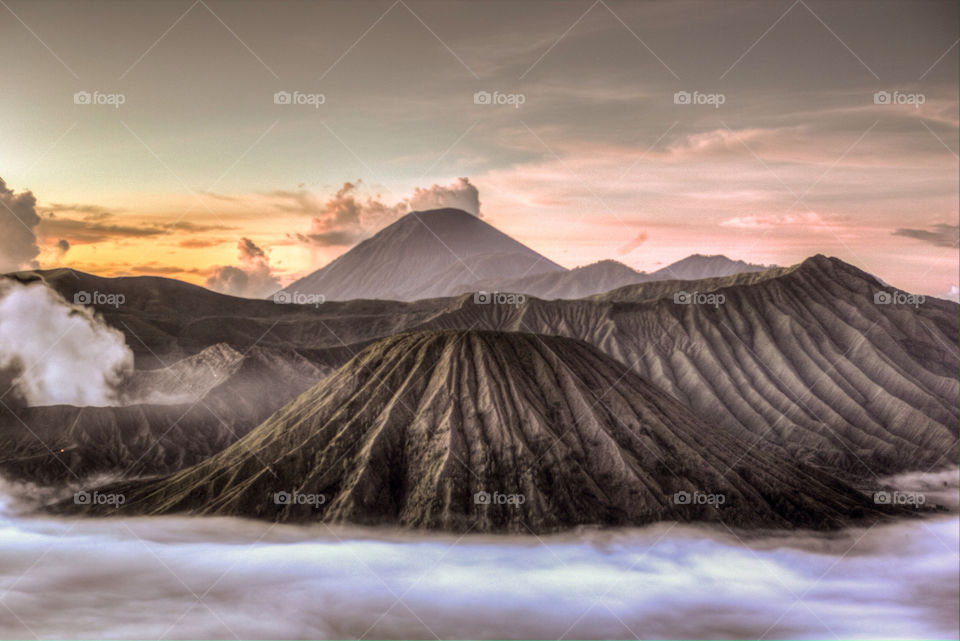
{"points": [[156, 137]]}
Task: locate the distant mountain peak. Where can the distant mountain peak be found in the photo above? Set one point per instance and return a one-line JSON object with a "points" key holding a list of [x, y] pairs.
{"points": [[701, 266], [607, 263], [607, 275], [424, 254]]}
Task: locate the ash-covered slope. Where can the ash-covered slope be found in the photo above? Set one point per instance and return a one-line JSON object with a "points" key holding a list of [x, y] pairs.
{"points": [[185, 381], [419, 429], [425, 254], [800, 358], [222, 394], [797, 357]]}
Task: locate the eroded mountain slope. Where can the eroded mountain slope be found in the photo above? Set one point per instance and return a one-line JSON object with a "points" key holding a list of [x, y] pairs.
{"points": [[802, 359], [230, 393], [413, 428]]}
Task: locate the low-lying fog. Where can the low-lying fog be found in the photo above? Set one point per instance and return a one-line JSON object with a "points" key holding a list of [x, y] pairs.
{"points": [[180, 577]]}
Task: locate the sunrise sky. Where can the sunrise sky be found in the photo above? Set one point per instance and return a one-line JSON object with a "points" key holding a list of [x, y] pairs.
{"points": [[199, 168]]}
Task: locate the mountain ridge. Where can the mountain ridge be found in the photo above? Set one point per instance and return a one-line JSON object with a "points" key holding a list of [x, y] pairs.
{"points": [[447, 252], [417, 426], [800, 357]]}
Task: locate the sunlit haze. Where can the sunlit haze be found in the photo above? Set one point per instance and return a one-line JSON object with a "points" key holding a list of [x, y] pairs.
{"points": [[584, 152]]}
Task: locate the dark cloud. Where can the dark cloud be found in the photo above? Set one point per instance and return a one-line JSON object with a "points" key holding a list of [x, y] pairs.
{"points": [[254, 277], [249, 252], [199, 243], [91, 212], [339, 238], [938, 235], [183, 225], [84, 231], [63, 246], [18, 221], [96, 225], [157, 270]]}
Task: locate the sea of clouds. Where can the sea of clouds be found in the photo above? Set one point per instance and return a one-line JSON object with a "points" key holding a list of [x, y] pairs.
{"points": [[182, 577]]}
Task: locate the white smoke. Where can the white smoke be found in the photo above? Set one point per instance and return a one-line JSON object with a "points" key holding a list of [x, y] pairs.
{"points": [[53, 352]]}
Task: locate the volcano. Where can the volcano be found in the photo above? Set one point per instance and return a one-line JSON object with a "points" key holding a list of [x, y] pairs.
{"points": [[492, 431], [425, 254]]}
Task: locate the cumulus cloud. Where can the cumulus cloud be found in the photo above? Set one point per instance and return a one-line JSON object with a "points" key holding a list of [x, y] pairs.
{"points": [[460, 194], [53, 352], [254, 277], [342, 219], [348, 216], [18, 220], [938, 235]]}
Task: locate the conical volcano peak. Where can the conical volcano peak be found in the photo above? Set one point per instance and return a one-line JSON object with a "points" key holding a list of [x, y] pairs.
{"points": [[425, 254], [467, 430]]}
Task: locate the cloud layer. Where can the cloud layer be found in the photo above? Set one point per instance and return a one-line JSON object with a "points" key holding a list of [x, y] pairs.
{"points": [[460, 194], [169, 577], [938, 235]]}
